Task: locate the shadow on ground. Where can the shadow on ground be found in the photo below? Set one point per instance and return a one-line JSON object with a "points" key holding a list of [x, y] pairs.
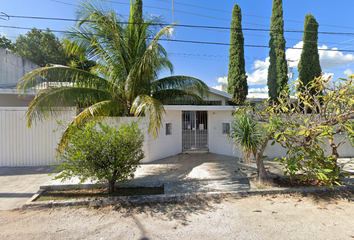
{"points": [[168, 211]]}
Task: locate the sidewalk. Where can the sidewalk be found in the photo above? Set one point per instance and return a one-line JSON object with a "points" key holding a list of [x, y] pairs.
{"points": [[18, 184], [180, 174], [196, 173]]}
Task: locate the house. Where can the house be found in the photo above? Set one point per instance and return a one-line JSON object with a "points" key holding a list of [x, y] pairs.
{"points": [[194, 128], [187, 127]]}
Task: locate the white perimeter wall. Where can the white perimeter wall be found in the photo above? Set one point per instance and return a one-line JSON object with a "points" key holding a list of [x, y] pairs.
{"points": [[22, 147], [346, 150], [167, 145], [217, 141]]}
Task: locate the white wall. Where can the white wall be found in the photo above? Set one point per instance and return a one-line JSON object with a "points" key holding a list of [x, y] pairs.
{"points": [[346, 150], [167, 145], [13, 67], [22, 147], [13, 100], [217, 141]]}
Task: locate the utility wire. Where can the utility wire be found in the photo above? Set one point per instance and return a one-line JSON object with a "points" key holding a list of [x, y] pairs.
{"points": [[208, 16], [191, 26], [251, 15], [191, 41], [179, 25]]}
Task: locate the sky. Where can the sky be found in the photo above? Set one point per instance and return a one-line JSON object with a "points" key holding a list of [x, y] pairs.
{"points": [[209, 62]]}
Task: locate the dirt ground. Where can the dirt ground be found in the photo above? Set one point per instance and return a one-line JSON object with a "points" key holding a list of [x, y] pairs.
{"points": [[295, 216]]}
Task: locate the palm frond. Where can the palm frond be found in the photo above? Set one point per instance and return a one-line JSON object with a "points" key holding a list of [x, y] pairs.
{"points": [[52, 102], [98, 111], [182, 83], [146, 105], [168, 96], [63, 76], [244, 132]]}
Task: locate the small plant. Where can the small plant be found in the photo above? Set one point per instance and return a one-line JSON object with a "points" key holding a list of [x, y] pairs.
{"points": [[102, 153]]}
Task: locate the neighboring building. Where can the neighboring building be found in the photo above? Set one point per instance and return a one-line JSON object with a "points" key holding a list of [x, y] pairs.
{"points": [[12, 69]]}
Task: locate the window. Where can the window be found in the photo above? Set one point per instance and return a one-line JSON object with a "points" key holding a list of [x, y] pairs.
{"points": [[225, 128], [168, 129]]}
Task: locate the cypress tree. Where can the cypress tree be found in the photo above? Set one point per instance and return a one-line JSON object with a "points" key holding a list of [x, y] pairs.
{"points": [[237, 79], [278, 69], [309, 66]]}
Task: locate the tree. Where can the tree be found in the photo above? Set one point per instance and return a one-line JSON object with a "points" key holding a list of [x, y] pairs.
{"points": [[6, 43], [125, 81], [252, 129], [40, 47], [309, 66], [45, 48], [277, 70], [321, 110], [237, 79], [103, 153], [244, 134]]}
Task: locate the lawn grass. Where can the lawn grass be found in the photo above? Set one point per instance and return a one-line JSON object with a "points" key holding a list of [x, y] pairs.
{"points": [[98, 193]]}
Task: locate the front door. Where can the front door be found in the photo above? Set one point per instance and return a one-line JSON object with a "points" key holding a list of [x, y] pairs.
{"points": [[194, 130]]}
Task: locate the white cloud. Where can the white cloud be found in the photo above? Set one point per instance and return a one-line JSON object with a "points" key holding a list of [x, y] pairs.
{"points": [[327, 75], [348, 72], [258, 90], [332, 59], [222, 80], [221, 87], [260, 75], [328, 59]]}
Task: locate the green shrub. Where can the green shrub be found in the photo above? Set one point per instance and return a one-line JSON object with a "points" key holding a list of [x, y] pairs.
{"points": [[102, 153]]}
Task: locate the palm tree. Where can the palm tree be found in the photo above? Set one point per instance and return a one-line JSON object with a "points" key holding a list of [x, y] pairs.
{"points": [[244, 132], [252, 134], [125, 80]]}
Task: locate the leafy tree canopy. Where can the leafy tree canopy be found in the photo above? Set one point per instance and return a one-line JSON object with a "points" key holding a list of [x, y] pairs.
{"points": [[102, 153], [6, 43], [40, 47]]}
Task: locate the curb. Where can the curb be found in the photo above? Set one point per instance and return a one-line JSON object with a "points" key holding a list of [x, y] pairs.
{"points": [[31, 205]]}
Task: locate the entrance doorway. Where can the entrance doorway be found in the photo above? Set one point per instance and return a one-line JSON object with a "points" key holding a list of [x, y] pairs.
{"points": [[194, 130]]}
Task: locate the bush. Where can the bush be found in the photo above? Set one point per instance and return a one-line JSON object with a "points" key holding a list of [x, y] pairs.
{"points": [[102, 153]]}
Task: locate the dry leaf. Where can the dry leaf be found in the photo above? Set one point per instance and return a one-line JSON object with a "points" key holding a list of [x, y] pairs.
{"points": [[339, 208], [274, 212]]}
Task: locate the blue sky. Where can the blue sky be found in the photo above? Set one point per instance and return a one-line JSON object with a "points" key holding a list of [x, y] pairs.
{"points": [[209, 62]]}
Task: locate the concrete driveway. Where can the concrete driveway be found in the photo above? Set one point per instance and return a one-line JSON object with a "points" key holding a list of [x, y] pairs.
{"points": [[18, 184]]}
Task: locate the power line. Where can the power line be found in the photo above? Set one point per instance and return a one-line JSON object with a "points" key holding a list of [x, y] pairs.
{"points": [[251, 15], [190, 26], [191, 41], [196, 26], [208, 16]]}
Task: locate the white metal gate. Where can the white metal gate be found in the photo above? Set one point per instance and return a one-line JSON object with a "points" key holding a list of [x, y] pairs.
{"points": [[194, 130]]}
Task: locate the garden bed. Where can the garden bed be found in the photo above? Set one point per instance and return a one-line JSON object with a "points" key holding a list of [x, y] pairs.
{"points": [[98, 193], [287, 182]]}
